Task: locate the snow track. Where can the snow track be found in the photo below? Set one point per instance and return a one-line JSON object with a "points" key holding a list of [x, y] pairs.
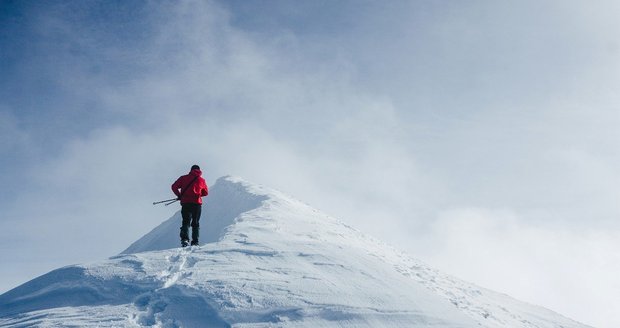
{"points": [[178, 263], [173, 305]]}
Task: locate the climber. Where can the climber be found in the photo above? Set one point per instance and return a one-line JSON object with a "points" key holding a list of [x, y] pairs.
{"points": [[190, 189]]}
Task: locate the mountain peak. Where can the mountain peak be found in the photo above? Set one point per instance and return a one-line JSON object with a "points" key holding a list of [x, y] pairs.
{"points": [[228, 198], [268, 261]]}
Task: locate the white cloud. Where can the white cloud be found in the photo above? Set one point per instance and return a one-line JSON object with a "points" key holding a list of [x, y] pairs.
{"points": [[572, 271]]}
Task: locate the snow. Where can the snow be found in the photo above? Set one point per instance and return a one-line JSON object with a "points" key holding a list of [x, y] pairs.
{"points": [[267, 260]]}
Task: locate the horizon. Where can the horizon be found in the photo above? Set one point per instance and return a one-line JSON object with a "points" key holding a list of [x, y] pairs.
{"points": [[479, 137]]}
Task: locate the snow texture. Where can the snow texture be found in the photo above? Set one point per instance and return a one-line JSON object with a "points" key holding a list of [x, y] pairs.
{"points": [[268, 261]]}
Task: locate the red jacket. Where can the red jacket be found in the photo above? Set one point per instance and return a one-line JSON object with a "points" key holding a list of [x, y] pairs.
{"points": [[191, 187]]}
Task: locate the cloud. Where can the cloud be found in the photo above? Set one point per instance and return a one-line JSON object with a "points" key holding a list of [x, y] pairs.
{"points": [[12, 138], [387, 119], [544, 263]]}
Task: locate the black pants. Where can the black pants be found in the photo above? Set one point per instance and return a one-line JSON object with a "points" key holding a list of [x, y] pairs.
{"points": [[191, 216]]}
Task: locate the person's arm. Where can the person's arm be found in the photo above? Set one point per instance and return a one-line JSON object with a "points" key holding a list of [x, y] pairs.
{"points": [[204, 190], [176, 186]]}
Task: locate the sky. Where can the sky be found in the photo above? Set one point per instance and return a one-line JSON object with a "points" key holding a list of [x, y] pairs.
{"points": [[479, 136]]}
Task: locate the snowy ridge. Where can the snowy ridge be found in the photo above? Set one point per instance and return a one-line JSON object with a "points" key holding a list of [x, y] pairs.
{"points": [[270, 261], [228, 199]]}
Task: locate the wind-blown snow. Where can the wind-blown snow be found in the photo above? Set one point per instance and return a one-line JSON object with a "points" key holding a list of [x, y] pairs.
{"points": [[269, 261]]}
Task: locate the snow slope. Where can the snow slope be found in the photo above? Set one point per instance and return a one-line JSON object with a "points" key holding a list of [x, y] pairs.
{"points": [[269, 261]]}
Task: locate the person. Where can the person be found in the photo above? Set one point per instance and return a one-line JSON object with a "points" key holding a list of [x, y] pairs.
{"points": [[190, 189]]}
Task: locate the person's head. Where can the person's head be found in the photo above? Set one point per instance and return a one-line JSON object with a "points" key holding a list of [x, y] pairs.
{"points": [[195, 167]]}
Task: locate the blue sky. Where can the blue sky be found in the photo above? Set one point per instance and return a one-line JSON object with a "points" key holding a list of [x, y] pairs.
{"points": [[479, 136]]}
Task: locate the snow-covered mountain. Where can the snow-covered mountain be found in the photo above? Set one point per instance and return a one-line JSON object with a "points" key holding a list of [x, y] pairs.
{"points": [[267, 260]]}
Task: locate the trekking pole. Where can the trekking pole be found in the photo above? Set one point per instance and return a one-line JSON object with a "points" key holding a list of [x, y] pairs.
{"points": [[172, 200]]}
